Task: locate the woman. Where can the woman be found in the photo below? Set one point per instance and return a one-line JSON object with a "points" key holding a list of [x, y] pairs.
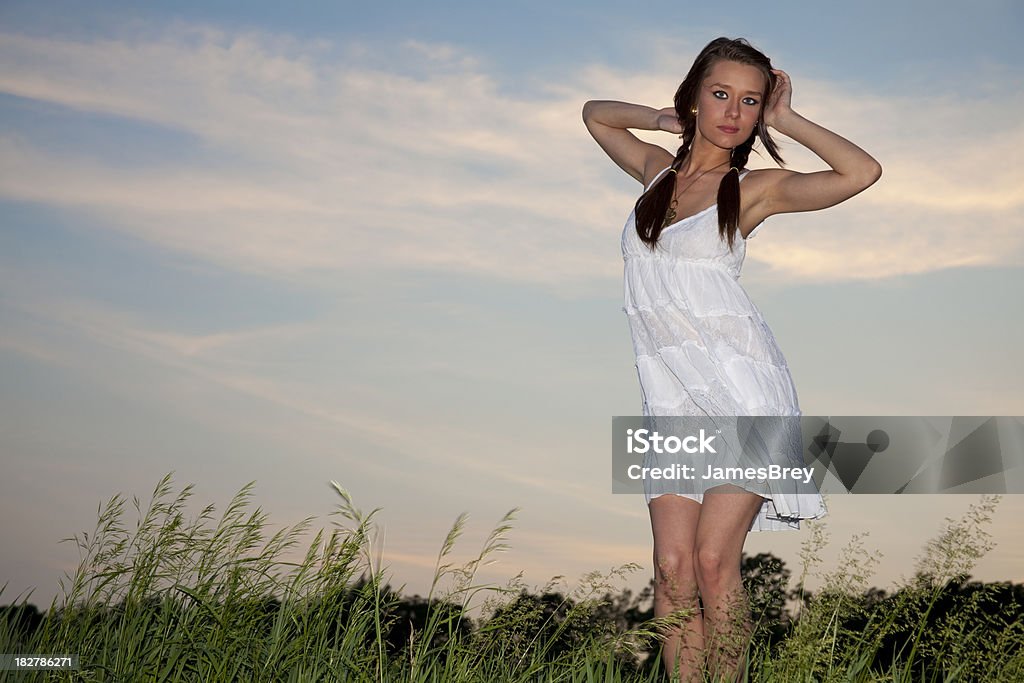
{"points": [[703, 349]]}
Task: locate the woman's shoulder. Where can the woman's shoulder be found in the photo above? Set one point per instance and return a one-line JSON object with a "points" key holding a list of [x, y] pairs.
{"points": [[757, 182], [758, 176]]}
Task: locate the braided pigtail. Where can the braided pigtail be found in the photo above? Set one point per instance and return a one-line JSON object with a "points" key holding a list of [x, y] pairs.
{"points": [[652, 206], [729, 188], [729, 192]]}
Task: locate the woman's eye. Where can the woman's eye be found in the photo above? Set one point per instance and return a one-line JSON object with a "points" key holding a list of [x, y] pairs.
{"points": [[720, 94], [749, 100]]}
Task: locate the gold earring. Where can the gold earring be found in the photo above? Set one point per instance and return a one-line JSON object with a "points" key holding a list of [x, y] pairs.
{"points": [[694, 111]]}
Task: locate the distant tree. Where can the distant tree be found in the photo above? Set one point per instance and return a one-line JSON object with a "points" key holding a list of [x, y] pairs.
{"points": [[409, 619], [625, 610], [766, 580], [19, 622], [962, 617], [546, 624]]}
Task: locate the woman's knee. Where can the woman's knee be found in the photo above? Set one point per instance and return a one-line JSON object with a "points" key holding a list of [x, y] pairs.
{"points": [[673, 564], [675, 584], [711, 565]]}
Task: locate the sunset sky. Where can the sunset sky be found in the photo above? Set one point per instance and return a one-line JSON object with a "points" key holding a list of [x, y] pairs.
{"points": [[375, 244]]}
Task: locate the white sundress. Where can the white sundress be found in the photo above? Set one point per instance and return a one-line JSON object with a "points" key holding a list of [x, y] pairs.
{"points": [[704, 349]]}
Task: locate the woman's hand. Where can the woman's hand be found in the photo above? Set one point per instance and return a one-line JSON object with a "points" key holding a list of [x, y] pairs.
{"points": [[783, 191], [779, 104], [668, 121]]}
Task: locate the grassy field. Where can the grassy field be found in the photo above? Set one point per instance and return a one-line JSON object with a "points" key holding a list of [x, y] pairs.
{"points": [[164, 597]]}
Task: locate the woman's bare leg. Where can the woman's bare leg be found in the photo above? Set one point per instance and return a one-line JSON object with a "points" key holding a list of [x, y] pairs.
{"points": [[724, 522], [674, 522]]}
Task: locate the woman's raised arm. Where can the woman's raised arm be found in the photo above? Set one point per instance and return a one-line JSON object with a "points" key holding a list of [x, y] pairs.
{"points": [[784, 191], [609, 122]]}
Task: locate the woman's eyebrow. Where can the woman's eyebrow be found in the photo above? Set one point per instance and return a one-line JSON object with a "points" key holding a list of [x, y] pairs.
{"points": [[726, 85]]}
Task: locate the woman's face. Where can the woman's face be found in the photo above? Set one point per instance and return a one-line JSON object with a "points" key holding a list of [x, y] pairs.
{"points": [[729, 102]]}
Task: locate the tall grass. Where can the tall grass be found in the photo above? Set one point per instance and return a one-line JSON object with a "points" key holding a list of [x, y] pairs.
{"points": [[935, 627], [219, 598]]}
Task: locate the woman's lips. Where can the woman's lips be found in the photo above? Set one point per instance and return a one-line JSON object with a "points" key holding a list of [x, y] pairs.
{"points": [[729, 129]]}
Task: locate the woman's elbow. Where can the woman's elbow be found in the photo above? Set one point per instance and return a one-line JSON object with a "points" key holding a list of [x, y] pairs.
{"points": [[588, 109], [876, 171], [869, 175]]}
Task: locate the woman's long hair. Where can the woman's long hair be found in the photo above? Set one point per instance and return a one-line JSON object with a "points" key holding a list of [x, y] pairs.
{"points": [[653, 204]]}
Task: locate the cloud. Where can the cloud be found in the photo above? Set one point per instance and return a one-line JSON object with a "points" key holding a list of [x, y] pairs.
{"points": [[109, 346], [313, 157]]}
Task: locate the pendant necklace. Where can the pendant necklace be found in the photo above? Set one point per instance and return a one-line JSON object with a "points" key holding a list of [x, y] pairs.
{"points": [[670, 215]]}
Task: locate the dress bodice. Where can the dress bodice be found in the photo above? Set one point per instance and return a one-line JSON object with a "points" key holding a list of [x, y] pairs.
{"points": [[693, 240]]}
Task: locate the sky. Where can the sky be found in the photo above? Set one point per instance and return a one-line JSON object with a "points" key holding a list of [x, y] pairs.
{"points": [[375, 244]]}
